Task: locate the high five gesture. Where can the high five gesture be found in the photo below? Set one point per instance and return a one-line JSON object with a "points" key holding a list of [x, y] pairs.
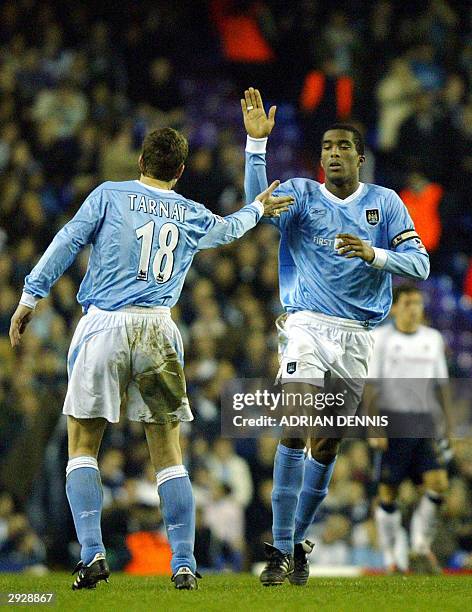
{"points": [[256, 122]]}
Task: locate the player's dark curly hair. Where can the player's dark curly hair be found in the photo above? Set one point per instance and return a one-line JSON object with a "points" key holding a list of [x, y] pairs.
{"points": [[163, 153], [357, 136]]}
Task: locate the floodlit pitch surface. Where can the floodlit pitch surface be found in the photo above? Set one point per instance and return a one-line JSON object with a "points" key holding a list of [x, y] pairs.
{"points": [[243, 592]]}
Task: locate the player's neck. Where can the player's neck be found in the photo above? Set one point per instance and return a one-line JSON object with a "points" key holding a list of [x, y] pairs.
{"points": [[152, 182], [406, 328], [343, 191]]}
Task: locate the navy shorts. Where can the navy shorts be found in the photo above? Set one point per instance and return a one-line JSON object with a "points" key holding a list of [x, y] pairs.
{"points": [[406, 458]]}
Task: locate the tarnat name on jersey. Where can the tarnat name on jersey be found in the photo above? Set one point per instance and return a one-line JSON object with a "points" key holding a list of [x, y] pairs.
{"points": [[161, 208]]}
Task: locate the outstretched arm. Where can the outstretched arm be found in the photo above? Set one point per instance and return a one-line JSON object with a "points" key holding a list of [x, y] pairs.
{"points": [[258, 127], [232, 227], [64, 248], [56, 259]]}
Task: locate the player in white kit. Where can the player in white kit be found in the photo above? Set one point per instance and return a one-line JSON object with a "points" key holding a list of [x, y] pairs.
{"points": [[409, 365]]}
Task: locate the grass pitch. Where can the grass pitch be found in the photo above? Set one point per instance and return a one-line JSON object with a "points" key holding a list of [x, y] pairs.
{"points": [[243, 592]]}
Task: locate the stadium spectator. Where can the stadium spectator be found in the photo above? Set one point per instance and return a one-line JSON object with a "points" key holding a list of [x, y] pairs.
{"points": [[426, 69], [426, 130], [200, 178], [245, 29], [365, 552], [65, 107], [118, 158], [206, 544], [463, 178], [259, 520], [423, 200], [333, 543], [225, 518], [454, 538], [242, 39], [342, 41], [395, 93], [468, 282], [112, 475], [20, 547], [381, 25], [232, 470], [327, 96], [161, 91]]}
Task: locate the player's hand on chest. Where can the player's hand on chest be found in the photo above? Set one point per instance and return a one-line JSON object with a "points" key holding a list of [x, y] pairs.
{"points": [[321, 223]]}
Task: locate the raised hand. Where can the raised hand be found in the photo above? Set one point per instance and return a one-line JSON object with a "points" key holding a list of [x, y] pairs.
{"points": [[256, 122], [274, 206]]}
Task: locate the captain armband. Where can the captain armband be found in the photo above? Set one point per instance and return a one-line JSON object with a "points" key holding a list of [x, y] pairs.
{"points": [[409, 234]]}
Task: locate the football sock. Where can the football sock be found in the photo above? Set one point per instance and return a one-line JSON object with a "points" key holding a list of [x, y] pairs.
{"points": [[85, 495], [424, 521], [315, 488], [178, 512], [288, 479], [388, 519]]}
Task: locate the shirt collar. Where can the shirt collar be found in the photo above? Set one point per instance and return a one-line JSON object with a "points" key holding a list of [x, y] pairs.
{"points": [[158, 189], [337, 200]]}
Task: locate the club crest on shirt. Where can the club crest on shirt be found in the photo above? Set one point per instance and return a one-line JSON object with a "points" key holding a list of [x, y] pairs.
{"points": [[291, 367], [372, 216]]}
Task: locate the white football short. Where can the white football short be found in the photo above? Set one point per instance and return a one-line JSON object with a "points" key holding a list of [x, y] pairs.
{"points": [[312, 345], [130, 359]]}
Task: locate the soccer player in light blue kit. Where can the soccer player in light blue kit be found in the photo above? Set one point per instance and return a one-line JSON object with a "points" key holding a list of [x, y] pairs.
{"points": [[339, 244], [143, 237]]}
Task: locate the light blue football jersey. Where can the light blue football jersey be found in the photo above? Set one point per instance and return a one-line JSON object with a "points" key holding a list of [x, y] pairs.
{"points": [[143, 240], [312, 275]]}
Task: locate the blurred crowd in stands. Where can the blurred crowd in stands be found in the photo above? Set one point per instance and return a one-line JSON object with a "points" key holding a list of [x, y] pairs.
{"points": [[79, 87]]}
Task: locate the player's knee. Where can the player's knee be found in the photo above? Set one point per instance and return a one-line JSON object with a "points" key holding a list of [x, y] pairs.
{"points": [[164, 445], [436, 480], [297, 443], [168, 456], [325, 450], [84, 436]]}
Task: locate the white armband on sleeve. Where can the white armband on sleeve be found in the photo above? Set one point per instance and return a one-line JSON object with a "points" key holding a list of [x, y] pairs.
{"points": [[256, 145], [380, 258], [28, 300]]}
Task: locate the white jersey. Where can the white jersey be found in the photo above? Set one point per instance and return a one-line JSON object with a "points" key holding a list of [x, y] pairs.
{"points": [[408, 368]]}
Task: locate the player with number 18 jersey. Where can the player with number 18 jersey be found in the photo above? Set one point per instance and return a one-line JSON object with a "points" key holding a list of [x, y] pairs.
{"points": [[126, 349]]}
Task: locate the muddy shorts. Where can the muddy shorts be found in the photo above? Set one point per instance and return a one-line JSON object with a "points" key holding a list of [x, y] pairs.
{"points": [[131, 359]]}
